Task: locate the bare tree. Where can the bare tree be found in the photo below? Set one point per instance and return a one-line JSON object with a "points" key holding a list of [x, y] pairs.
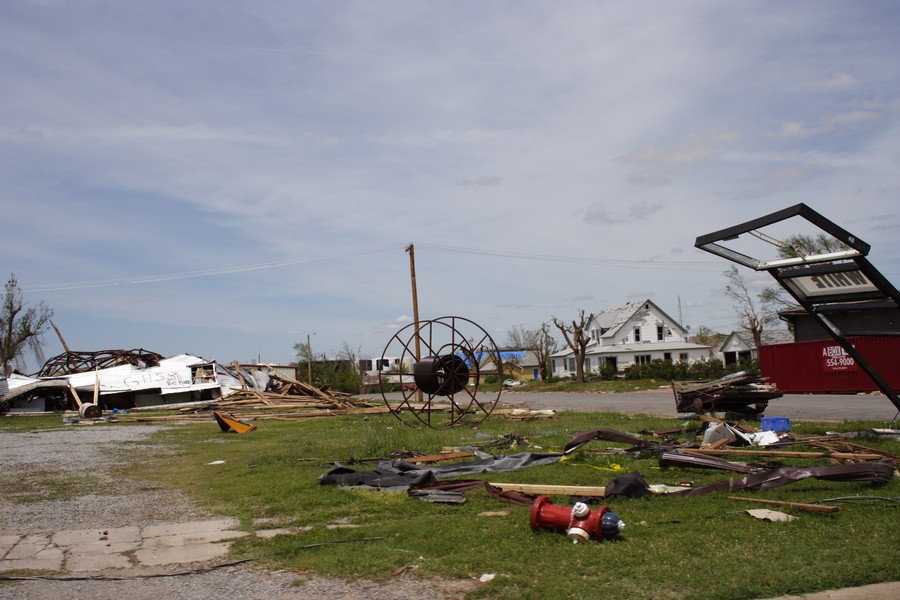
{"points": [[576, 339], [350, 355], [804, 245], [20, 327], [752, 320], [709, 338], [539, 341], [775, 299]]}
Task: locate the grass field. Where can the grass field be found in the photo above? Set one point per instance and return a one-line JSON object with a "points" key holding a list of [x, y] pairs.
{"points": [[702, 547]]}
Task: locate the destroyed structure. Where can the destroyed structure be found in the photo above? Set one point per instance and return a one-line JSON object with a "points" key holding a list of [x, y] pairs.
{"points": [[131, 380], [739, 393]]}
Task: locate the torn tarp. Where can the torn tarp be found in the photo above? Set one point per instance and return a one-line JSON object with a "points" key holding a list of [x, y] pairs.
{"points": [[631, 485], [399, 474], [880, 471]]}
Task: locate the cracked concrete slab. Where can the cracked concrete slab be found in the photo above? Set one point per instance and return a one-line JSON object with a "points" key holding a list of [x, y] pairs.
{"points": [[119, 547]]}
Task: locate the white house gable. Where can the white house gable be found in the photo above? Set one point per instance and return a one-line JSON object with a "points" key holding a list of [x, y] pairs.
{"points": [[634, 323], [628, 334]]}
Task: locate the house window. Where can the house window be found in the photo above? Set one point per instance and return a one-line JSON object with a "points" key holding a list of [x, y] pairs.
{"points": [[683, 357], [365, 364], [637, 334], [659, 333], [570, 364], [667, 356], [383, 364], [642, 359], [587, 363]]}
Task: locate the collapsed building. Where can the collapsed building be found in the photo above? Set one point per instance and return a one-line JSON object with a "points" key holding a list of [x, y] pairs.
{"points": [[124, 379]]}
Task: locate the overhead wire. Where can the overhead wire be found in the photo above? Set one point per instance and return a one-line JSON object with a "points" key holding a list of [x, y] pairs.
{"points": [[193, 274], [607, 262], [685, 266]]}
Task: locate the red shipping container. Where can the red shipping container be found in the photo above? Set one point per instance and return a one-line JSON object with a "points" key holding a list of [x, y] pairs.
{"points": [[822, 366]]}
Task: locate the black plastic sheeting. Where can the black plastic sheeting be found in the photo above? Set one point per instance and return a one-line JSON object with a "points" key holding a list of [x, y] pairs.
{"points": [[400, 474]]}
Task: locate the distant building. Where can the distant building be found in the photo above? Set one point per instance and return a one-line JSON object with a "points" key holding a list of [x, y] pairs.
{"points": [[853, 319], [738, 346], [633, 333], [521, 365]]}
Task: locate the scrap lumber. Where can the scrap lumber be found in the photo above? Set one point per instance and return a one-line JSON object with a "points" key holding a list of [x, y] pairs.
{"points": [[798, 505], [255, 416], [552, 490], [786, 454], [75, 395], [741, 392], [439, 457]]}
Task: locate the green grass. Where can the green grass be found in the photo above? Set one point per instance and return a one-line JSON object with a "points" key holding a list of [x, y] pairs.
{"points": [[704, 547]]}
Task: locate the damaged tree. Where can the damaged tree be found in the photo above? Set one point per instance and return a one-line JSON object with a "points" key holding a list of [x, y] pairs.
{"points": [[577, 339], [20, 327]]}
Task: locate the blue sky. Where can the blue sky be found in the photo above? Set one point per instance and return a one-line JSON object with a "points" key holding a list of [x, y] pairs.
{"points": [[226, 178]]}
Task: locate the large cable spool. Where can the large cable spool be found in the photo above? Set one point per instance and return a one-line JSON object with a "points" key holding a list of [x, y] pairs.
{"points": [[441, 387]]}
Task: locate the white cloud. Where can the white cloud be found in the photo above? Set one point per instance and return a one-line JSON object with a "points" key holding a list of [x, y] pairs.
{"points": [[841, 81], [569, 131], [793, 129]]}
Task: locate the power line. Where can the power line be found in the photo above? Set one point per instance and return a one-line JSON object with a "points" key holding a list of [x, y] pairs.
{"points": [[686, 266], [56, 287], [702, 266]]}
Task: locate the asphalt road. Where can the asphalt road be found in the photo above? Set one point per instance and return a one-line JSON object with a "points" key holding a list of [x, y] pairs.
{"points": [[807, 407]]}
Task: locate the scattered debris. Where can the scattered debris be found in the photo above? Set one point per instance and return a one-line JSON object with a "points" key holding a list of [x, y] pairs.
{"points": [[229, 424], [764, 514], [587, 491], [797, 505], [733, 393]]}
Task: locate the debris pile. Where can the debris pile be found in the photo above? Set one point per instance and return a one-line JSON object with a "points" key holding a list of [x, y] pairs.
{"points": [[732, 393], [281, 391]]}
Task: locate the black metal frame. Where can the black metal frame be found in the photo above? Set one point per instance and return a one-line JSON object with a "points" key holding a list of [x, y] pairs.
{"points": [[787, 271]]}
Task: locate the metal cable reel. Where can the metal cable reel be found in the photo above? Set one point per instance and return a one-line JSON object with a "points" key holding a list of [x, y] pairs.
{"points": [[442, 387]]}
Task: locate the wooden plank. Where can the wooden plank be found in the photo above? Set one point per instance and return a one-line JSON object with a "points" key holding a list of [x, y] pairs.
{"points": [[552, 490], [97, 387], [798, 505], [787, 454], [438, 457], [75, 395]]}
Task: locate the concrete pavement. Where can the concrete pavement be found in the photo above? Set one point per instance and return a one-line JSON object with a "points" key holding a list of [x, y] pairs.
{"points": [[77, 550]]}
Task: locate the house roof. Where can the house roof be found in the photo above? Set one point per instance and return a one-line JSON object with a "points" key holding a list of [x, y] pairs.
{"points": [[769, 337], [522, 358], [612, 319]]}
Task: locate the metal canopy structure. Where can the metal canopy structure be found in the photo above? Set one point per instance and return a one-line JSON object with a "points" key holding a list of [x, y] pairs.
{"points": [[820, 283]]}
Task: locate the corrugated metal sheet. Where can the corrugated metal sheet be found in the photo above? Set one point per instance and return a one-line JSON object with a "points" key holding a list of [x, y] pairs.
{"points": [[822, 366]]}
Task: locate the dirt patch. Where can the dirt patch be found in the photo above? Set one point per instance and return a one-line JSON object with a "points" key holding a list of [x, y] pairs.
{"points": [[67, 478]]}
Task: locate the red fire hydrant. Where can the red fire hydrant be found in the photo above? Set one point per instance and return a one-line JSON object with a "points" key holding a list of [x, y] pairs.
{"points": [[579, 522]]}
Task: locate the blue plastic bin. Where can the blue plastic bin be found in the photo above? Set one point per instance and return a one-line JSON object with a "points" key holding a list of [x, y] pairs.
{"points": [[779, 424]]}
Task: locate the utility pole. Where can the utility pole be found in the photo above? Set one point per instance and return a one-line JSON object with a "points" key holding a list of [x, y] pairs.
{"points": [[309, 360], [415, 299]]}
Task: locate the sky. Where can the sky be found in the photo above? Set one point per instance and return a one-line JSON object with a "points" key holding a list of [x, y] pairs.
{"points": [[229, 179]]}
